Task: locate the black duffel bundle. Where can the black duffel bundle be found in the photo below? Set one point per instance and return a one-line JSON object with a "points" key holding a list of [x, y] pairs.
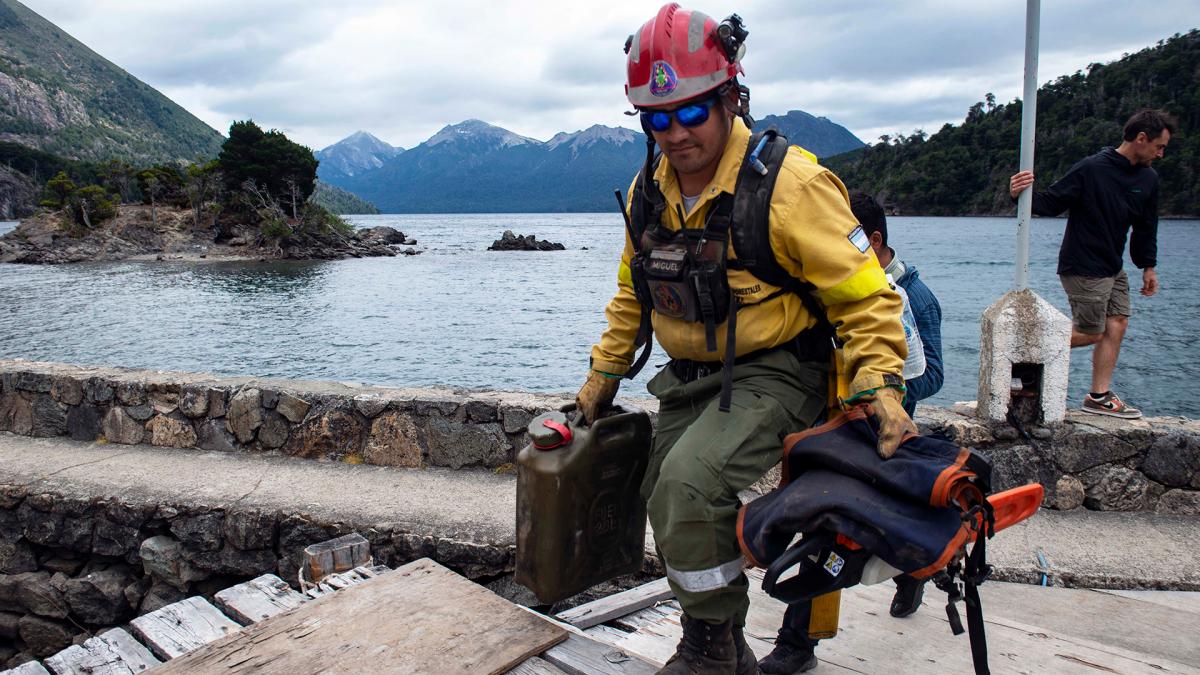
{"points": [[863, 519]]}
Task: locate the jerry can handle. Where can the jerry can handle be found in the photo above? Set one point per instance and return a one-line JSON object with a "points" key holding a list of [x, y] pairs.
{"points": [[577, 419]]}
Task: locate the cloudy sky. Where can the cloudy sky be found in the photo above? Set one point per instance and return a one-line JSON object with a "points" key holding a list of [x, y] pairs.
{"points": [[320, 70]]}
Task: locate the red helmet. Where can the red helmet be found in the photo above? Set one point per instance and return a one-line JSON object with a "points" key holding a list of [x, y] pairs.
{"points": [[677, 56]]}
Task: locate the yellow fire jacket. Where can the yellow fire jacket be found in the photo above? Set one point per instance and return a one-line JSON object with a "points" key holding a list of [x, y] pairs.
{"points": [[811, 232]]}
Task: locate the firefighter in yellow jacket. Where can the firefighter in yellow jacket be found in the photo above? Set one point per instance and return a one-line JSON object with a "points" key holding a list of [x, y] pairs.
{"points": [[682, 78]]}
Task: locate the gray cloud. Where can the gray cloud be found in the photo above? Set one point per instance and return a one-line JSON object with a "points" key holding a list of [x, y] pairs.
{"points": [[321, 70]]}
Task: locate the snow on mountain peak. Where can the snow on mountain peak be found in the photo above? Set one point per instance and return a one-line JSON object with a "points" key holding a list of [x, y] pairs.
{"points": [[357, 152], [478, 129], [594, 134]]}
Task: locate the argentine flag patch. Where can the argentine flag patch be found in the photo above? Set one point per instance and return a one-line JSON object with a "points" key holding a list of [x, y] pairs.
{"points": [[859, 239]]}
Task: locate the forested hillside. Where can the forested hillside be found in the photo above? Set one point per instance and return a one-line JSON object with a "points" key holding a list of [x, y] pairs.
{"points": [[58, 95], [337, 200], [964, 170]]}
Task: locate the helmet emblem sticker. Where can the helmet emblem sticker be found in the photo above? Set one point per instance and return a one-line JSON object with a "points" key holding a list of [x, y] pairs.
{"points": [[662, 78]]}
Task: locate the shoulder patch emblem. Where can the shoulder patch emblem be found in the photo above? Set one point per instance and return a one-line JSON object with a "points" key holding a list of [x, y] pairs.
{"points": [[859, 239]]}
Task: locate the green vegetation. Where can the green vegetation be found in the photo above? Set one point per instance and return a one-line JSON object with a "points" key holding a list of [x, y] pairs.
{"points": [[91, 206], [964, 170], [87, 207], [339, 201], [284, 171], [82, 106], [262, 177], [41, 166], [58, 191]]}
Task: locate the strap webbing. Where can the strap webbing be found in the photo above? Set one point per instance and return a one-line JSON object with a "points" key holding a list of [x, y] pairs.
{"points": [[645, 340], [730, 356]]}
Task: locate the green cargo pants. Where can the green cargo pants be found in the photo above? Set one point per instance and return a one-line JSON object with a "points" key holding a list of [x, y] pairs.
{"points": [[703, 457]]}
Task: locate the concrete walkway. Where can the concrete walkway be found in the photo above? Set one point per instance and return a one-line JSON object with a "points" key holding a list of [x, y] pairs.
{"points": [[471, 505], [1079, 548]]}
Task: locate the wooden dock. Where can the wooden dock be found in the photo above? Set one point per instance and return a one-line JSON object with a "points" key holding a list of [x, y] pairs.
{"points": [[423, 618]]}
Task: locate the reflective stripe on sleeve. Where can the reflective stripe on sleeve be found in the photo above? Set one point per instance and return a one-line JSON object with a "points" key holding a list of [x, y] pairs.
{"points": [[868, 280], [699, 581], [624, 275]]}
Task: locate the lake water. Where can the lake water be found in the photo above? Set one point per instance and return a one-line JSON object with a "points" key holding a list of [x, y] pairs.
{"points": [[462, 316]]}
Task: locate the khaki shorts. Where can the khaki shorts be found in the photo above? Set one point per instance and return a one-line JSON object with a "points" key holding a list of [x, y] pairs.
{"points": [[1094, 299]]}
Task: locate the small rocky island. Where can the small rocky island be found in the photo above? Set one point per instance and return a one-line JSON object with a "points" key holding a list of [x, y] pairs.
{"points": [[254, 201], [512, 242], [135, 233]]}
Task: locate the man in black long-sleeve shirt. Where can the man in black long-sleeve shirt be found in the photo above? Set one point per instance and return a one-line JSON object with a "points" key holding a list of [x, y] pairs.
{"points": [[1105, 194]]}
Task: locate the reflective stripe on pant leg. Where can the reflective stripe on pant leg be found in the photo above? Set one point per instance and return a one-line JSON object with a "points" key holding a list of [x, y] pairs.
{"points": [[699, 581]]}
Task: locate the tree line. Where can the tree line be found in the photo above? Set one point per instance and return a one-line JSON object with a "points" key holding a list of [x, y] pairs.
{"points": [[258, 175], [964, 169]]}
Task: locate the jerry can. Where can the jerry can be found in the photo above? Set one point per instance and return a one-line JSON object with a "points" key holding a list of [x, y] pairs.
{"points": [[580, 518]]}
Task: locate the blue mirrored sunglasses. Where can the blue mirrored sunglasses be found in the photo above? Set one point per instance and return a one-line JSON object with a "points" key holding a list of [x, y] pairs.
{"points": [[691, 115]]}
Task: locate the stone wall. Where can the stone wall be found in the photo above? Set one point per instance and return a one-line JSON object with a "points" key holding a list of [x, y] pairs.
{"points": [[1090, 461], [1099, 463], [69, 566], [326, 421]]}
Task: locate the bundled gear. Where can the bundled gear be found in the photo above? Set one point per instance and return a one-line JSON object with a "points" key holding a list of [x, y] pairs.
{"points": [[887, 404], [863, 520]]}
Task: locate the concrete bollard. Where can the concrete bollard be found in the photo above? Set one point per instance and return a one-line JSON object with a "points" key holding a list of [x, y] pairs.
{"points": [[1024, 339]]}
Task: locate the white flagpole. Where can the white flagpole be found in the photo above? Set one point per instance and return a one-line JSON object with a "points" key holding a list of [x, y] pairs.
{"points": [[1028, 126]]}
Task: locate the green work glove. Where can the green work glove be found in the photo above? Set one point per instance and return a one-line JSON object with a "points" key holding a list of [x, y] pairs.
{"points": [[887, 407], [598, 392]]}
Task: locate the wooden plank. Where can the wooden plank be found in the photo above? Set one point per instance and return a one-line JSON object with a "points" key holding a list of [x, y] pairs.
{"points": [[372, 571], [870, 641], [536, 666], [27, 668], [67, 661], [420, 618], [632, 622], [1183, 601], [619, 604], [181, 627], [113, 653], [606, 634], [1090, 615], [581, 655], [257, 599], [137, 657]]}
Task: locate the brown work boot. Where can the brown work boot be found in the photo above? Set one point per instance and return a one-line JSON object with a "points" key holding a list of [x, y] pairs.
{"points": [[706, 649], [747, 663]]}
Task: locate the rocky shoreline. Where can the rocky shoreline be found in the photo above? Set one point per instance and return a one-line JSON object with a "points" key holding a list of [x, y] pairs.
{"points": [[133, 235]]}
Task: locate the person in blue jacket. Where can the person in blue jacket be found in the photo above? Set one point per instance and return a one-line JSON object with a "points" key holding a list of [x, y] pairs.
{"points": [[928, 313], [794, 649], [921, 300]]}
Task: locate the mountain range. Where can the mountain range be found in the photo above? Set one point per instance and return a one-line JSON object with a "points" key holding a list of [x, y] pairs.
{"points": [[475, 167], [59, 96]]}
